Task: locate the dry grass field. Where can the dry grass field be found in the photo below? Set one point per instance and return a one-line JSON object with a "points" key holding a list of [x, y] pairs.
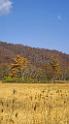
{"points": [[34, 103]]}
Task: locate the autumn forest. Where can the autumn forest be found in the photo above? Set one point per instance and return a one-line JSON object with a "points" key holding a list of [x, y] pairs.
{"points": [[19, 63]]}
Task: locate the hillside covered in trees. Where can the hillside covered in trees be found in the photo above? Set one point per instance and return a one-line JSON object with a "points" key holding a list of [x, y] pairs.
{"points": [[27, 64]]}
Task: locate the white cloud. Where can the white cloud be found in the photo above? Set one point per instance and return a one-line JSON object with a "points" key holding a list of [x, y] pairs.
{"points": [[5, 6]]}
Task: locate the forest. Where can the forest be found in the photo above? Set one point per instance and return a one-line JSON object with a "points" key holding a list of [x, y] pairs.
{"points": [[19, 63]]}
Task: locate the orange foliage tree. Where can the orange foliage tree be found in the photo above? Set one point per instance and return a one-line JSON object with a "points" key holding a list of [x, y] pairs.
{"points": [[52, 69], [18, 66]]}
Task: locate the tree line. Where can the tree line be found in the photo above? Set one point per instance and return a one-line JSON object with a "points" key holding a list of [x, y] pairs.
{"points": [[21, 69]]}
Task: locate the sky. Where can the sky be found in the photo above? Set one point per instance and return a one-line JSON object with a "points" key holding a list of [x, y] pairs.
{"points": [[36, 23]]}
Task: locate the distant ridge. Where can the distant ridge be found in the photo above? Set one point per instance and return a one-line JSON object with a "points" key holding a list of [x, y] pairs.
{"points": [[37, 56]]}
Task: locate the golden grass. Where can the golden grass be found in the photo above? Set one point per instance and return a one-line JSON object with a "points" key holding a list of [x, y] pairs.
{"points": [[34, 103]]}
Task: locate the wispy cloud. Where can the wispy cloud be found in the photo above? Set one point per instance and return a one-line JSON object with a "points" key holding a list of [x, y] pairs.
{"points": [[5, 6], [59, 17]]}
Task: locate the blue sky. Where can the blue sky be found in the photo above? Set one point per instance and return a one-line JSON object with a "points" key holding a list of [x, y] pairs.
{"points": [[37, 23]]}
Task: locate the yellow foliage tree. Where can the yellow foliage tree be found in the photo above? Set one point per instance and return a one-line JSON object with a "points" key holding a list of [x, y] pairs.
{"points": [[53, 68], [18, 65], [56, 68]]}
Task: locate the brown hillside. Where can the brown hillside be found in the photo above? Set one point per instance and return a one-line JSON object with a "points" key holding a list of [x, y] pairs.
{"points": [[36, 55]]}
